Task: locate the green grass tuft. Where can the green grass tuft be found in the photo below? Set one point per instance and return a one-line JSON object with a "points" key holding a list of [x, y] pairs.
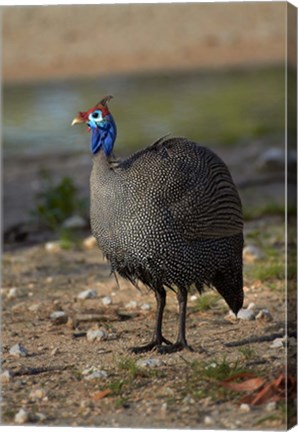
{"points": [[206, 302]]}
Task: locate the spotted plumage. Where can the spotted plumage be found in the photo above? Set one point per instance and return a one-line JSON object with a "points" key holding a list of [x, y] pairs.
{"points": [[169, 216]]}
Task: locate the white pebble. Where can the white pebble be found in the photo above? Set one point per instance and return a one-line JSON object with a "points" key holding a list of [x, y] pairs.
{"points": [[278, 343], [252, 253], [5, 376], [146, 306], [22, 416], [74, 222], [271, 406], [87, 294], [149, 363], [106, 300], [208, 421], [246, 314], [59, 317], [12, 293], [18, 350], [193, 297], [96, 374], [131, 305], [244, 408], [89, 242], [96, 335], [53, 246]]}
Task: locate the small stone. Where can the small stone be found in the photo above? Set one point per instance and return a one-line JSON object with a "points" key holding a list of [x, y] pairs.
{"points": [[188, 400], [93, 373], [146, 306], [96, 335], [37, 394], [18, 350], [34, 307], [5, 376], [22, 416], [49, 279], [193, 297], [252, 253], [59, 317], [131, 305], [87, 294], [271, 406], [74, 222], [245, 408], [264, 315], [40, 417], [149, 363], [208, 421], [89, 242], [246, 314], [53, 247], [55, 351], [164, 408], [106, 300], [272, 159], [278, 343], [12, 293]]}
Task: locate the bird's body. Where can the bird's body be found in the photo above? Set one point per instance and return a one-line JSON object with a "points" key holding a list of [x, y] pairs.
{"points": [[170, 216]]}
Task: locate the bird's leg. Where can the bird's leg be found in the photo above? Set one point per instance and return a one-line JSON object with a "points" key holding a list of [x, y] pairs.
{"points": [[157, 338], [181, 343]]}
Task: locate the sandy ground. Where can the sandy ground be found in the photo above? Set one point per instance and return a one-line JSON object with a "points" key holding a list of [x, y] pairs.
{"points": [[49, 383]]}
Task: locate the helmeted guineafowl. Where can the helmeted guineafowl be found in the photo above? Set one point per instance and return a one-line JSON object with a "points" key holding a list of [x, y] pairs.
{"points": [[169, 216]]}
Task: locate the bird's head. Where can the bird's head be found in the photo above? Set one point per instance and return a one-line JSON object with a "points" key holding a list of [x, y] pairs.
{"points": [[101, 124]]}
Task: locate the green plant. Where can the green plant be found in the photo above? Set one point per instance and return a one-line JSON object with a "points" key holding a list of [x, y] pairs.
{"points": [[206, 302], [247, 352], [57, 202], [130, 366]]}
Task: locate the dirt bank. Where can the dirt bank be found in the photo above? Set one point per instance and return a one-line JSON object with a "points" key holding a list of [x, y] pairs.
{"points": [[70, 41]]}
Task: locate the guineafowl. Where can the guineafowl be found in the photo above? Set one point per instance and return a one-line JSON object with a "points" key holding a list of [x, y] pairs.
{"points": [[169, 216]]}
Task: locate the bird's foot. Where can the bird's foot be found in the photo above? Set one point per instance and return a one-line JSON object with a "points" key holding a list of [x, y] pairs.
{"points": [[177, 346], [154, 344]]}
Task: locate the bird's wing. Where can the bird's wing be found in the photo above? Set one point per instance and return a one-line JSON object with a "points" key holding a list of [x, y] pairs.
{"points": [[208, 204]]}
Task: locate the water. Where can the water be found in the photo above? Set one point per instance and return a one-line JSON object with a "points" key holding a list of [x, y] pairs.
{"points": [[216, 107]]}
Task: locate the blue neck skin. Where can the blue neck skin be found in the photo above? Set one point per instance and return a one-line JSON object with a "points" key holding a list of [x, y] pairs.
{"points": [[103, 135]]}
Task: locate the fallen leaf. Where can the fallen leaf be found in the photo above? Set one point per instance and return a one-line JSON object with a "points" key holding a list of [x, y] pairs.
{"points": [[272, 391], [248, 385], [101, 394]]}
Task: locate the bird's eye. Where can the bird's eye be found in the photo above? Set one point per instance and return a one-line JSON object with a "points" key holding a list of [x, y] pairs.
{"points": [[95, 115]]}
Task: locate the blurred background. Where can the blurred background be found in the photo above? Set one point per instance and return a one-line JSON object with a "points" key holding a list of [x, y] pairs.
{"points": [[211, 72]]}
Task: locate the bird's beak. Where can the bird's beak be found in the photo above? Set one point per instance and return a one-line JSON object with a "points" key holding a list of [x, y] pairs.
{"points": [[78, 119]]}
